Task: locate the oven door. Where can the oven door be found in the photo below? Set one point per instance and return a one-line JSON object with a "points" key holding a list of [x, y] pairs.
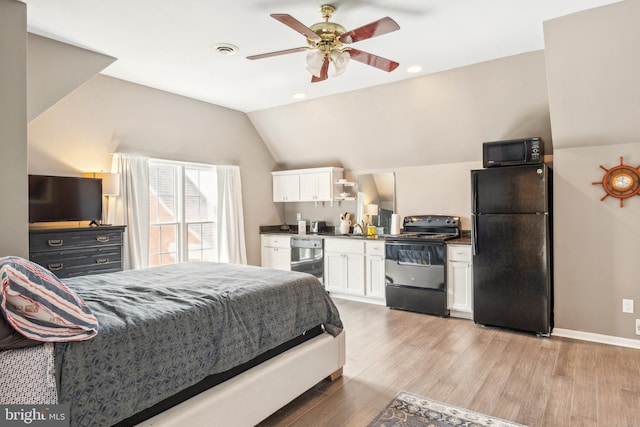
{"points": [[418, 265]]}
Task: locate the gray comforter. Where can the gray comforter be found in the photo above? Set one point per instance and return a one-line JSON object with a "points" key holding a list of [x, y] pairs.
{"points": [[164, 329]]}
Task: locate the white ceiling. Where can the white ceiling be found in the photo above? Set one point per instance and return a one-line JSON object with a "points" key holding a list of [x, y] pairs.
{"points": [[168, 44]]}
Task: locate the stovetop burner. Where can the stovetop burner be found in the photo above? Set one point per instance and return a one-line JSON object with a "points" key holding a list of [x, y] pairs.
{"points": [[435, 228]]}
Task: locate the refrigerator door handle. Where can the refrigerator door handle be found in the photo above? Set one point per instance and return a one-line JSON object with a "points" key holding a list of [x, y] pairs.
{"points": [[474, 193], [474, 234]]}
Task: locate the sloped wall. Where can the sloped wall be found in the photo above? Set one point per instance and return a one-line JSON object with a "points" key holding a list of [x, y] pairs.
{"points": [[107, 115]]}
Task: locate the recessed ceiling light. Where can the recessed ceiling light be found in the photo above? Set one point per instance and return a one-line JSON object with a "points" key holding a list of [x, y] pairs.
{"points": [[225, 48], [414, 69], [299, 95]]}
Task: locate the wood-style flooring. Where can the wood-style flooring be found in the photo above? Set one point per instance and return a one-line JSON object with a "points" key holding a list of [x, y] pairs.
{"points": [[518, 377]]}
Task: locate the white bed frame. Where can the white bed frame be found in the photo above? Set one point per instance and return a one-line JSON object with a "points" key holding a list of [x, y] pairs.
{"points": [[252, 396]]}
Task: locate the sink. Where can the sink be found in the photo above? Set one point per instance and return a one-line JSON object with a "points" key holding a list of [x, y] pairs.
{"points": [[360, 236]]}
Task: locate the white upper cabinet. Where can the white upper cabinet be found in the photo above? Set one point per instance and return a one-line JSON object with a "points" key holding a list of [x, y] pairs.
{"points": [[286, 188], [305, 185], [315, 187]]}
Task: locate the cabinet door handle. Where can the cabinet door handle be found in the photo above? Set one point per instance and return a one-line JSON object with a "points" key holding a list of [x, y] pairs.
{"points": [[102, 260], [55, 242], [102, 239], [56, 266]]}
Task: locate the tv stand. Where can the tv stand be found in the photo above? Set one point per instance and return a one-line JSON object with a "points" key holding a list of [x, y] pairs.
{"points": [[94, 223], [77, 251]]}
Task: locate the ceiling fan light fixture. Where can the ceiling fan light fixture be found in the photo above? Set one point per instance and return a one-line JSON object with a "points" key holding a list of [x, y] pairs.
{"points": [[315, 58], [414, 69], [340, 59]]}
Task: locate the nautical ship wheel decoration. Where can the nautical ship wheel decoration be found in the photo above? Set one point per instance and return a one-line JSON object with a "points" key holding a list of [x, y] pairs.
{"points": [[621, 182]]}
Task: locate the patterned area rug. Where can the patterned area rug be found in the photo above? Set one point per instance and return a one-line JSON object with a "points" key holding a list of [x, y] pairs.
{"points": [[408, 410]]}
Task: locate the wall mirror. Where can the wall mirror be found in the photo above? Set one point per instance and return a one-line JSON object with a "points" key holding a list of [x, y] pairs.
{"points": [[376, 198]]}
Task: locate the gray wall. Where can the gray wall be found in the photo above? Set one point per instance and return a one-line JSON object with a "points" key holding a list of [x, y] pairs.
{"points": [[594, 97], [13, 129]]}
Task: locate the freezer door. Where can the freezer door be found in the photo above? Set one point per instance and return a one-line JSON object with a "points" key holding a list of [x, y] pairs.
{"points": [[512, 272], [513, 189]]}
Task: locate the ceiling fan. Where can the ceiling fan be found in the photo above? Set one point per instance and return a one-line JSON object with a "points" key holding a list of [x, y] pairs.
{"points": [[327, 43]]}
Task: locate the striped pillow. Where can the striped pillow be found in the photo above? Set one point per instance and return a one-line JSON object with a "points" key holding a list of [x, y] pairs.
{"points": [[41, 307]]}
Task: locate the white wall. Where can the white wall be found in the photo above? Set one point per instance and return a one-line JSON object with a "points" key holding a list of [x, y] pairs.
{"points": [[13, 129], [594, 98]]}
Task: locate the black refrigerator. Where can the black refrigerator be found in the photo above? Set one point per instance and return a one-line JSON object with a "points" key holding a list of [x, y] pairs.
{"points": [[511, 236]]}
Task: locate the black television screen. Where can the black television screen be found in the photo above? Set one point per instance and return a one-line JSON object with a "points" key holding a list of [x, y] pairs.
{"points": [[63, 198]]}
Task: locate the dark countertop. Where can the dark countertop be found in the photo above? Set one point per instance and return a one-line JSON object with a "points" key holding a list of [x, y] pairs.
{"points": [[464, 239]]}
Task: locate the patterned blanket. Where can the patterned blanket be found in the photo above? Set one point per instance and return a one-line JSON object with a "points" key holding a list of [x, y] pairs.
{"points": [[166, 328]]}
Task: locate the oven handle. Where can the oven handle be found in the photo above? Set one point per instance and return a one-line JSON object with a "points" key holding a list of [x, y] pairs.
{"points": [[412, 264]]}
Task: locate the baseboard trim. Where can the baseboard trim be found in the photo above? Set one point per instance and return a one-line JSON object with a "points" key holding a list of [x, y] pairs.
{"points": [[603, 339]]}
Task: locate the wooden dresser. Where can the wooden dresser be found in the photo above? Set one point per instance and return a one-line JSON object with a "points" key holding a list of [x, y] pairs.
{"points": [[70, 252]]}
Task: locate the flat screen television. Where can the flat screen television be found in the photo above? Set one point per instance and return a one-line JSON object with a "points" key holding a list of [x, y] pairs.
{"points": [[64, 198]]}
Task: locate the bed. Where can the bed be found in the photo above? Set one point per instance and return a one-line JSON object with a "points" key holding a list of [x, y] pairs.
{"points": [[193, 343]]}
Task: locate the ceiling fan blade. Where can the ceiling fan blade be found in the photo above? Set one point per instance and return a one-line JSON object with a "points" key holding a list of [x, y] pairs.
{"points": [[324, 72], [377, 28], [298, 26], [276, 53], [373, 60]]}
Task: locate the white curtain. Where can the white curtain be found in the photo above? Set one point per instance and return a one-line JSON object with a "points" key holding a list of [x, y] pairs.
{"points": [[230, 221], [131, 208]]}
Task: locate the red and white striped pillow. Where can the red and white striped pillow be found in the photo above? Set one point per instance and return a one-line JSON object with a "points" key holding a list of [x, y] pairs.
{"points": [[39, 306]]}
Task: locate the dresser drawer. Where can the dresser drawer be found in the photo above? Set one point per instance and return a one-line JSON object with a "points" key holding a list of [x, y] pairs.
{"points": [[77, 262], [73, 239]]}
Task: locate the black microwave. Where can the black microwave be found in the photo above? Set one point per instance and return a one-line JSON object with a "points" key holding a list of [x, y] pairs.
{"points": [[512, 152]]}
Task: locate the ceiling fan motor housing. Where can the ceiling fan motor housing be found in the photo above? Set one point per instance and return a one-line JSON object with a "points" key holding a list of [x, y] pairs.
{"points": [[329, 33]]}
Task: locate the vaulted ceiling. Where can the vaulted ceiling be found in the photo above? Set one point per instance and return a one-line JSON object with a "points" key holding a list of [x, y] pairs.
{"points": [[172, 44]]}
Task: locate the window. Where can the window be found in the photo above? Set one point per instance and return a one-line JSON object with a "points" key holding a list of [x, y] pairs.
{"points": [[182, 200]]}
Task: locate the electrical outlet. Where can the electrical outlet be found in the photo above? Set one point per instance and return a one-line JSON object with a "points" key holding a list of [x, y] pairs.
{"points": [[627, 306], [637, 326]]}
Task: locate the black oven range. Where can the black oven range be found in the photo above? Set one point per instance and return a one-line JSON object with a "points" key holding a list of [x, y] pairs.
{"points": [[415, 264]]}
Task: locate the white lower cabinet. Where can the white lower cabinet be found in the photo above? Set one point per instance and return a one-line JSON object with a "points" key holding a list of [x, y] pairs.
{"points": [[374, 259], [344, 266], [460, 281], [354, 269], [276, 251]]}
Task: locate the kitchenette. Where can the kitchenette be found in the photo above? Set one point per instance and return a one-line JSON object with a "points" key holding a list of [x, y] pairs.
{"points": [[497, 271], [362, 251]]}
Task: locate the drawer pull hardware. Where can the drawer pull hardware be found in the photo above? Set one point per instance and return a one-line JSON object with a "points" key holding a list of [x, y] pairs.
{"points": [[102, 239], [55, 242], [102, 260], [56, 266]]}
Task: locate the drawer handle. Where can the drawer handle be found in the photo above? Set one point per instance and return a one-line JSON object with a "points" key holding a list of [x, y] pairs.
{"points": [[102, 260], [102, 239], [56, 266], [55, 242]]}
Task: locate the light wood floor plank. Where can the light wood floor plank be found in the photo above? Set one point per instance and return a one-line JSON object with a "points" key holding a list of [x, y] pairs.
{"points": [[519, 377]]}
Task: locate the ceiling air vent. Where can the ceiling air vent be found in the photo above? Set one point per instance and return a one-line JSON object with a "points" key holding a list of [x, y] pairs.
{"points": [[225, 48]]}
